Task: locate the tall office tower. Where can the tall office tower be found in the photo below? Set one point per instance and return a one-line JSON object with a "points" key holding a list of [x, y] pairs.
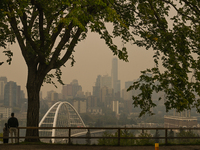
{"points": [[22, 94], [75, 87], [10, 94], [3, 81], [80, 94], [96, 91], [70, 90], [97, 83], [52, 96], [2, 85], [18, 95], [106, 96], [115, 107], [128, 95], [91, 101], [114, 74], [106, 81], [80, 105], [103, 94], [87, 94], [96, 88], [67, 91]]}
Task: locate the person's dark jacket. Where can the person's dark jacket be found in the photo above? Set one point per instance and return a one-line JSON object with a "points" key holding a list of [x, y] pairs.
{"points": [[13, 122]]}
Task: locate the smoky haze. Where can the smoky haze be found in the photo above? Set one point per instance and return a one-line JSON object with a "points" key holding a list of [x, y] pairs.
{"points": [[92, 58]]}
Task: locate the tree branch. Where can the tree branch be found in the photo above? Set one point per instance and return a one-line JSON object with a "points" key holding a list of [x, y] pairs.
{"points": [[55, 34], [161, 26], [33, 17], [41, 30], [192, 7], [52, 18], [20, 40], [61, 44], [41, 23], [25, 31], [70, 49], [173, 5]]}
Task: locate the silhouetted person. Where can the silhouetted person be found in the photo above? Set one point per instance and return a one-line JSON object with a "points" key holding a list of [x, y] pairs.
{"points": [[5, 133], [13, 125]]}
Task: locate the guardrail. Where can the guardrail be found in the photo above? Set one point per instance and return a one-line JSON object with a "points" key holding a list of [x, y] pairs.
{"points": [[119, 138]]}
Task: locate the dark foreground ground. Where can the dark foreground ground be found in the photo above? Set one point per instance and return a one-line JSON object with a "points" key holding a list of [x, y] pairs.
{"points": [[67, 147]]}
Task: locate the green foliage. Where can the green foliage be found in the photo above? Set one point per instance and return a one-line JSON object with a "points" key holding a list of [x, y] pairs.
{"points": [[114, 141], [127, 133], [144, 141], [42, 22], [174, 37], [105, 141], [189, 133], [126, 142], [48, 31]]}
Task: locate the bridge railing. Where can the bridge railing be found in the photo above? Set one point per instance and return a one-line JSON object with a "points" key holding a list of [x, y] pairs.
{"points": [[165, 136]]}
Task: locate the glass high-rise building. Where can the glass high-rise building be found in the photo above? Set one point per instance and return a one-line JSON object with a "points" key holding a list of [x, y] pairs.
{"points": [[106, 81], [10, 94], [3, 81], [114, 74]]}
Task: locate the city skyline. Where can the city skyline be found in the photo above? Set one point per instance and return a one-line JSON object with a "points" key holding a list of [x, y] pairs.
{"points": [[109, 85], [92, 58]]}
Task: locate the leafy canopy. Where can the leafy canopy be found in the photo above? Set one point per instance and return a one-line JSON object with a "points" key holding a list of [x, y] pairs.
{"points": [[171, 29], [48, 31]]}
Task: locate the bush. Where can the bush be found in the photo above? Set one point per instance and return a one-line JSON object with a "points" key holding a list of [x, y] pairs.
{"points": [[114, 141], [189, 133], [145, 141]]}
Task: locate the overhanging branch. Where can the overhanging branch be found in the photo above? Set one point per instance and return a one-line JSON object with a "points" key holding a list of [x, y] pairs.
{"points": [[13, 24], [70, 49], [60, 46]]}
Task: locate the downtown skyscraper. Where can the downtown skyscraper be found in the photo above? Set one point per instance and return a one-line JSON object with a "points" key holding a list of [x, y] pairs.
{"points": [[114, 75], [3, 82]]}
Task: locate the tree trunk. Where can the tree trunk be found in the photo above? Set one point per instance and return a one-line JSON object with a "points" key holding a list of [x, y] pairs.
{"points": [[34, 83]]}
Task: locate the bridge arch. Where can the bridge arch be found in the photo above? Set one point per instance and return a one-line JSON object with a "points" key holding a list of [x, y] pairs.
{"points": [[61, 114]]}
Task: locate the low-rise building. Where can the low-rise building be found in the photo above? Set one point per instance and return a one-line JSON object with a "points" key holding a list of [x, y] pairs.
{"points": [[5, 112], [180, 121], [95, 110]]}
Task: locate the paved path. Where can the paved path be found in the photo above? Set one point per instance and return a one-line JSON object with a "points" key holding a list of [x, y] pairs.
{"points": [[67, 147]]}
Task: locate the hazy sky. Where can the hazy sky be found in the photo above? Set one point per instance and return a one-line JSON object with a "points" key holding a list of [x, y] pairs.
{"points": [[92, 58]]}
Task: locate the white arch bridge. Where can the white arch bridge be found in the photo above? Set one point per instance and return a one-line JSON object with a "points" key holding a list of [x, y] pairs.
{"points": [[61, 114]]}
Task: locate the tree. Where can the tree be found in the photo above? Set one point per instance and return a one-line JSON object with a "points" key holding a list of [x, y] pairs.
{"points": [[171, 29], [47, 33], [188, 133]]}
